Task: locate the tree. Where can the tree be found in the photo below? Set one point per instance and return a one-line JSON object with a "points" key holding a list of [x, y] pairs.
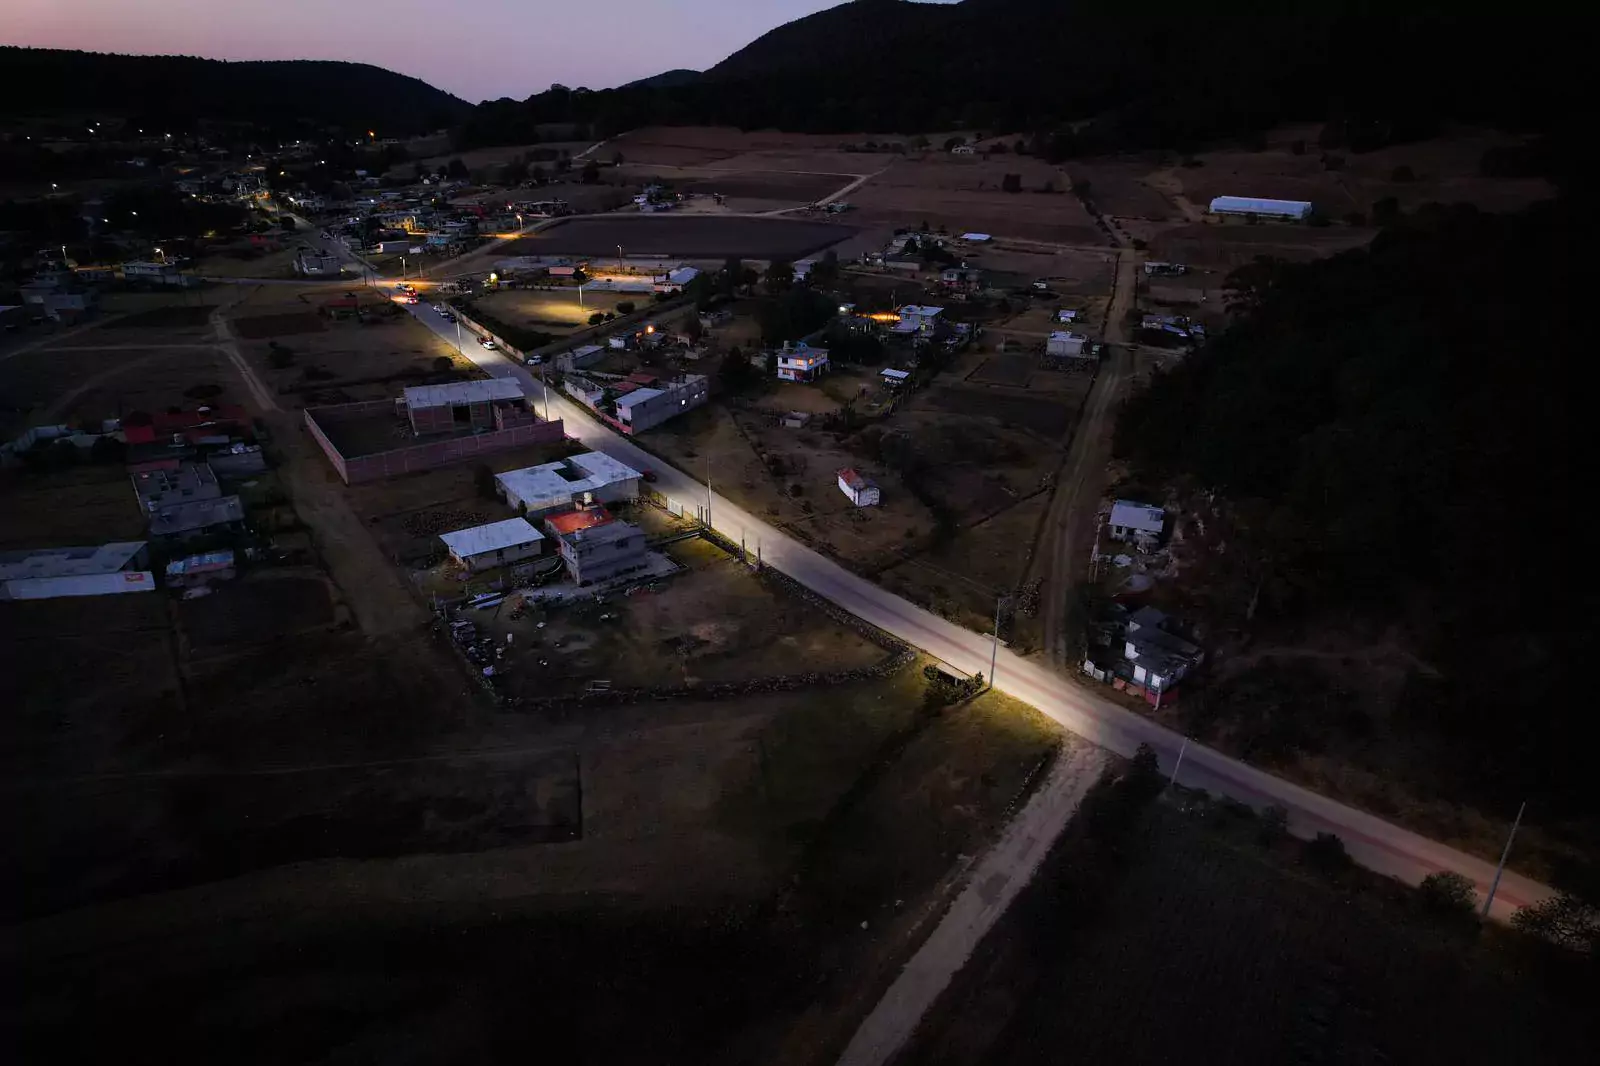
{"points": [[590, 175], [1011, 183], [748, 278], [597, 318], [1386, 211], [616, 159], [626, 307], [952, 143], [826, 270], [1448, 894], [1563, 920], [732, 272], [107, 449], [694, 330], [443, 363], [483, 479], [1326, 852], [456, 170], [1274, 826], [780, 277]]}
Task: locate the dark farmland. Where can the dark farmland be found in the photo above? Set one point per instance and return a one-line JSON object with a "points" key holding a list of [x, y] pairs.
{"points": [[688, 236]]}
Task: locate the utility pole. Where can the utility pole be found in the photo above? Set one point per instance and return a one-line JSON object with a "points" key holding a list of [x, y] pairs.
{"points": [[1173, 780], [708, 492], [994, 647], [1494, 886]]}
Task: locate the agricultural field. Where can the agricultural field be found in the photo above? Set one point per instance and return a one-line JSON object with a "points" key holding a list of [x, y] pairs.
{"points": [[963, 194], [751, 837], [1201, 947], [685, 236]]}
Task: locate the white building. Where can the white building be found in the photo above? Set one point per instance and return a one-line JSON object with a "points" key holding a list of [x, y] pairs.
{"points": [[496, 544], [647, 407], [48, 573], [863, 491], [1294, 210], [1064, 345], [590, 477], [1137, 523], [917, 319], [801, 362]]}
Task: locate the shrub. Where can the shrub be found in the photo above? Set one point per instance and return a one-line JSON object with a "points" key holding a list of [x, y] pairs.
{"points": [[1448, 894], [1326, 852], [626, 307], [597, 318], [1274, 825], [443, 363]]}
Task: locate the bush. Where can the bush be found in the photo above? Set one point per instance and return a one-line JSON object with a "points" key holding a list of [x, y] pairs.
{"points": [[597, 318], [626, 307], [1448, 894], [1274, 826], [1326, 853], [443, 363]]}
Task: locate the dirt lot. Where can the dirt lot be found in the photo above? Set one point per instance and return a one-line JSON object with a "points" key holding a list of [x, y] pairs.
{"points": [[964, 194], [1240, 959], [270, 605], [318, 360], [689, 236], [713, 622], [244, 261], [88, 504], [559, 313]]}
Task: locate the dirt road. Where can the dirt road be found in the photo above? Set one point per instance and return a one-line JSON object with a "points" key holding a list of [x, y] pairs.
{"points": [[1063, 550], [994, 883], [371, 585]]}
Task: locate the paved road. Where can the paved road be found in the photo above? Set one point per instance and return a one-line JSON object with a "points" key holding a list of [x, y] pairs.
{"points": [[1371, 841], [991, 886]]}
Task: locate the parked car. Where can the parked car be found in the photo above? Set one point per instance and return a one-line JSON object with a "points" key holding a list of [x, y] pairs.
{"points": [[533, 360], [486, 342], [648, 475], [448, 317]]}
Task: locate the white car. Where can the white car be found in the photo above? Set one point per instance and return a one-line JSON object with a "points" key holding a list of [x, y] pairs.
{"points": [[533, 360], [486, 342]]}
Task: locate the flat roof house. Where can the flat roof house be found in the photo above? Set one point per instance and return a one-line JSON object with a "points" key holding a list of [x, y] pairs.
{"points": [[801, 362], [478, 406], [494, 544], [181, 521], [1294, 210], [917, 319], [158, 489], [647, 408], [603, 552], [537, 491]]}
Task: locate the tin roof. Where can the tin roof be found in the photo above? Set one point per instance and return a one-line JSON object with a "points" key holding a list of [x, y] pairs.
{"points": [[495, 536], [419, 396]]}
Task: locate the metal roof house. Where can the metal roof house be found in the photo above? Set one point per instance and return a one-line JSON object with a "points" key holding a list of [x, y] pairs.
{"points": [[863, 491], [1141, 523], [495, 544], [498, 403], [48, 573], [1295, 210]]}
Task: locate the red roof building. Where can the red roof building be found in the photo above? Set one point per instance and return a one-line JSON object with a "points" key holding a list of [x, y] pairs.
{"points": [[572, 521]]}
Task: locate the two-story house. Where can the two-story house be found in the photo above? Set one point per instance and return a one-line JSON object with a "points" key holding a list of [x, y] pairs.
{"points": [[801, 362]]}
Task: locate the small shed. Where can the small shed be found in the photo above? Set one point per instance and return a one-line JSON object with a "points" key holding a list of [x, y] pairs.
{"points": [[894, 379], [863, 491], [496, 544]]}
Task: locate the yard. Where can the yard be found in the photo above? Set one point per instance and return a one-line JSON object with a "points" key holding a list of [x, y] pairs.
{"points": [[686, 236]]}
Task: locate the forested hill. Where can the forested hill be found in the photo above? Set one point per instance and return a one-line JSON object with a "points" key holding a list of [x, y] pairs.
{"points": [[1396, 432], [1164, 78], [179, 90]]}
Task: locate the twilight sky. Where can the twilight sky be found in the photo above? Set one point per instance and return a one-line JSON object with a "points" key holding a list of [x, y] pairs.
{"points": [[477, 49]]}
